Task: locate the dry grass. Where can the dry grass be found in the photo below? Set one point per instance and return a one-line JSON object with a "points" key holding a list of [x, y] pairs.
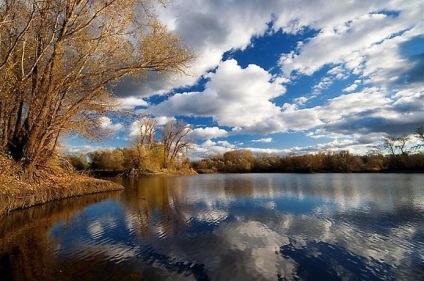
{"points": [[48, 184]]}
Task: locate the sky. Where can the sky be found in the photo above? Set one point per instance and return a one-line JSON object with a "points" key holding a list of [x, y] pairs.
{"points": [[284, 77]]}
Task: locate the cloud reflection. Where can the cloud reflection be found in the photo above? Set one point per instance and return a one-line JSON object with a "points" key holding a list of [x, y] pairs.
{"points": [[249, 227]]}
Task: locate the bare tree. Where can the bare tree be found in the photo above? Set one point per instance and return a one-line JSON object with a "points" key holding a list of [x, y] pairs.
{"points": [[145, 141], [390, 144], [57, 58], [401, 143], [396, 144], [174, 139], [419, 132], [147, 132]]}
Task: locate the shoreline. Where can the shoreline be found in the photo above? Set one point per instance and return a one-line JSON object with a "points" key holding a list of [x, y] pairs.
{"points": [[16, 194], [143, 173], [202, 172], [51, 185]]}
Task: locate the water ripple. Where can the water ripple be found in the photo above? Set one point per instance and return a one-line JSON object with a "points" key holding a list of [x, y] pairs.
{"points": [[227, 227]]}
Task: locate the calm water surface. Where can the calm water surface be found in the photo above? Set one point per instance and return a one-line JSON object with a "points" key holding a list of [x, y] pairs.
{"points": [[225, 227]]}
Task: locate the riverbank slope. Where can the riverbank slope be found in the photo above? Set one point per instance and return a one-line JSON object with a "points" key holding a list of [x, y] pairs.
{"points": [[46, 186], [17, 194]]}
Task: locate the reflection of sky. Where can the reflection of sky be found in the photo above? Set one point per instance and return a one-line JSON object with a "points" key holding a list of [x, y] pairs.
{"points": [[273, 226]]}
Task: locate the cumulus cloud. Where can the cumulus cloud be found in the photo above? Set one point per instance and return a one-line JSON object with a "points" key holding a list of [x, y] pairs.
{"points": [[238, 21], [136, 127], [214, 27], [370, 51], [350, 35], [365, 112], [210, 148], [368, 41], [301, 100], [210, 36], [131, 102], [356, 144], [107, 124], [345, 31], [207, 133], [163, 120], [345, 108], [352, 87], [233, 96], [335, 46]]}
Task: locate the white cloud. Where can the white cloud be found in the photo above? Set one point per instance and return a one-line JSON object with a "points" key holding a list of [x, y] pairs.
{"points": [[265, 140], [163, 120], [131, 102], [338, 72], [209, 29], [346, 30], [210, 35], [324, 84], [355, 38], [348, 104], [214, 27], [352, 87], [290, 118], [364, 40], [210, 148], [107, 124], [344, 108], [358, 113], [233, 96], [135, 127], [268, 151], [67, 148], [301, 100], [208, 133], [385, 62], [335, 46]]}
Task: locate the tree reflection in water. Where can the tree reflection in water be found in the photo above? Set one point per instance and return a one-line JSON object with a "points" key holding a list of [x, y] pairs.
{"points": [[153, 207], [225, 227], [27, 250]]}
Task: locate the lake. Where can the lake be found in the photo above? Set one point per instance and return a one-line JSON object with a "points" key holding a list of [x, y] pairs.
{"points": [[225, 227]]}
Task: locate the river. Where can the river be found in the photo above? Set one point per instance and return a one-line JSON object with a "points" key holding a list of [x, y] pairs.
{"points": [[225, 227]]}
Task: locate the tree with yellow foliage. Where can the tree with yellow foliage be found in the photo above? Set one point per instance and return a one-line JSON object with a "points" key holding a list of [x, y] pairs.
{"points": [[58, 59]]}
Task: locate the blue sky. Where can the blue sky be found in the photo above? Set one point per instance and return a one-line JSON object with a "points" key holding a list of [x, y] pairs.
{"points": [[285, 76]]}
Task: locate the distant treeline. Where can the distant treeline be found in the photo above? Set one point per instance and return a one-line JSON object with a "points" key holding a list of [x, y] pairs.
{"points": [[395, 154], [243, 161], [168, 153]]}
